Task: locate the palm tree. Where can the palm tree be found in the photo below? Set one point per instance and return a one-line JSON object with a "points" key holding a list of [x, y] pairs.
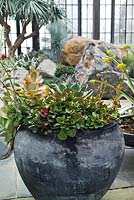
{"points": [[42, 11]]}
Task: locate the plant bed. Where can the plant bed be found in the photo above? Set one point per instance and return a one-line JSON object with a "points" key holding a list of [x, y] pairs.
{"points": [[127, 126]]}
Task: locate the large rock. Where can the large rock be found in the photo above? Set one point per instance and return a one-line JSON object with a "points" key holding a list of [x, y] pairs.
{"points": [[19, 74], [73, 50], [47, 68], [91, 64]]}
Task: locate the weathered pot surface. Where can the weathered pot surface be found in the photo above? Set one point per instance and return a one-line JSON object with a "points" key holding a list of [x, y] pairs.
{"points": [[80, 168]]}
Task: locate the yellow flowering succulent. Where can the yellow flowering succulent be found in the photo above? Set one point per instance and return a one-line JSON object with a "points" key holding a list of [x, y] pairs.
{"points": [[121, 66], [93, 81], [98, 75], [109, 52], [126, 46], [108, 59]]}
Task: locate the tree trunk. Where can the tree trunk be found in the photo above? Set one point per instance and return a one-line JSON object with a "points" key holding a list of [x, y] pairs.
{"points": [[12, 49], [18, 33], [11, 52], [36, 40]]}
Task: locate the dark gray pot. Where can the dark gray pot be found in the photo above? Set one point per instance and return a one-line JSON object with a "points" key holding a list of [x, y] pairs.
{"points": [[80, 168], [129, 139]]}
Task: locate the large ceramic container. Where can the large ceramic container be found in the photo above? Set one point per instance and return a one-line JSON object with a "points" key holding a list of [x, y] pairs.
{"points": [[80, 168]]}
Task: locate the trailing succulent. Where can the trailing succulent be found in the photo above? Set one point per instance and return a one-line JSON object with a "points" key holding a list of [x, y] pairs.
{"points": [[60, 110]]}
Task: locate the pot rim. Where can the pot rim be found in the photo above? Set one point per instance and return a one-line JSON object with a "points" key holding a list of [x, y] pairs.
{"points": [[115, 122], [92, 131], [126, 133]]}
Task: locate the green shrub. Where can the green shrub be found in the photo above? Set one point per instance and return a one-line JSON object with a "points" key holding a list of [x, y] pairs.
{"points": [[51, 81], [64, 71]]}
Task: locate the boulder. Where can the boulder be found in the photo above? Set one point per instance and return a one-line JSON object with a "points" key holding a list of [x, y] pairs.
{"points": [[91, 65], [47, 68], [19, 74], [73, 50], [92, 60]]}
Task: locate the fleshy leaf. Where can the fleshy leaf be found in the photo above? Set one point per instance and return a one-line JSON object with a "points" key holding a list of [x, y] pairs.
{"points": [[62, 135]]}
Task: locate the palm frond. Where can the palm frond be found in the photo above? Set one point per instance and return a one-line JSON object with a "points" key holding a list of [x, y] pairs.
{"points": [[129, 82], [128, 97], [7, 8], [43, 11], [125, 109], [40, 10]]}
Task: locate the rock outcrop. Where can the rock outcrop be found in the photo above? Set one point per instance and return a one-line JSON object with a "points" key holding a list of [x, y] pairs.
{"points": [[19, 74], [91, 64], [47, 68], [73, 50]]}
